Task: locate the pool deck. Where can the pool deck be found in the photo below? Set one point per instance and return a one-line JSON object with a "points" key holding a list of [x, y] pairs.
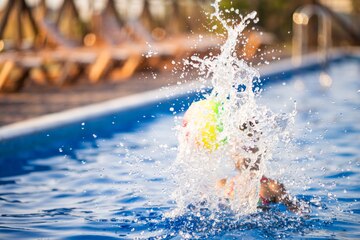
{"points": [[35, 100]]}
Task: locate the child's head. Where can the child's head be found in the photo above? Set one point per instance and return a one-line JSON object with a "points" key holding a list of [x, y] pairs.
{"points": [[244, 163], [253, 136], [250, 128]]}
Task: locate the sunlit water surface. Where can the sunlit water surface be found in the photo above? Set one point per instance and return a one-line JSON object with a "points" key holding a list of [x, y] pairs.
{"points": [[120, 186]]}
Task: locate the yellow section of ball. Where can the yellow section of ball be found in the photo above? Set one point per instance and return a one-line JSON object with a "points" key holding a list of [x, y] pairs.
{"points": [[203, 117]]}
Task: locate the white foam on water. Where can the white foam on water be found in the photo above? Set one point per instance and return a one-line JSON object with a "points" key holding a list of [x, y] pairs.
{"points": [[250, 132]]}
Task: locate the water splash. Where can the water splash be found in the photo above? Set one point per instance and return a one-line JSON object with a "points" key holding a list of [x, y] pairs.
{"points": [[249, 133]]}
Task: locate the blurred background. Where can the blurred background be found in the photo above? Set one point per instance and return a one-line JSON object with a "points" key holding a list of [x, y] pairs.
{"points": [[60, 54]]}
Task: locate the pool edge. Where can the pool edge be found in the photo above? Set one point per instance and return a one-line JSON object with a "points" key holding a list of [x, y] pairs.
{"points": [[73, 115]]}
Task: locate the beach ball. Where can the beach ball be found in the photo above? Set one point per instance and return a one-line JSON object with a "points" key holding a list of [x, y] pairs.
{"points": [[202, 124]]}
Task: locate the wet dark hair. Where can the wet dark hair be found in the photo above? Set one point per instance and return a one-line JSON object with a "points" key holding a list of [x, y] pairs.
{"points": [[243, 163]]}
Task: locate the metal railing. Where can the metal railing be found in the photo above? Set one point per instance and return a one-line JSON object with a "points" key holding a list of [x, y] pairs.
{"points": [[301, 18]]}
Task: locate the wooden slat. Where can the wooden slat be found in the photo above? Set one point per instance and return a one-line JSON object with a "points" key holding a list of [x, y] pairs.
{"points": [[5, 72]]}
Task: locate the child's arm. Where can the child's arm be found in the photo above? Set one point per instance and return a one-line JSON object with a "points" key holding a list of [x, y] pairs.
{"points": [[275, 192]]}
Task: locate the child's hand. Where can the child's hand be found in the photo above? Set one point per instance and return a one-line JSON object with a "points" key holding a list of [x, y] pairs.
{"points": [[271, 191]]}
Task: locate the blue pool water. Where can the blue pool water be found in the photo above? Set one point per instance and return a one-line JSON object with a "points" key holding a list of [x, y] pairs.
{"points": [[109, 178]]}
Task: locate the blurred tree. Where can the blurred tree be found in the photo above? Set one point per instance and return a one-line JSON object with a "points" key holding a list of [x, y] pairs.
{"points": [[274, 15], [356, 5]]}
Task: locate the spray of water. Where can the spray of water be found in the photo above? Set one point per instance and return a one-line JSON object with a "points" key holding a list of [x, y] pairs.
{"points": [[249, 133]]}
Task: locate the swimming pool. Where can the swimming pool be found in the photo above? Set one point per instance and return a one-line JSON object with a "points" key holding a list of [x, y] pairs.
{"points": [[105, 175]]}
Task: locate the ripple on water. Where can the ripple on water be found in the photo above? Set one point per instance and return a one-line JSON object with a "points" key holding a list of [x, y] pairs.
{"points": [[341, 174], [133, 199]]}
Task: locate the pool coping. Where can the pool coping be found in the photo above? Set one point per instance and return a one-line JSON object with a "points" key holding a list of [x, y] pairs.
{"points": [[73, 115]]}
